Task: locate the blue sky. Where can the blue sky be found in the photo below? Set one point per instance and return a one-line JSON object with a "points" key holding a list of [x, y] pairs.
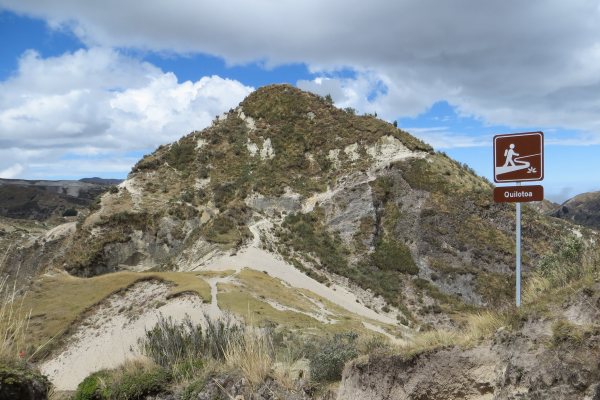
{"points": [[87, 90]]}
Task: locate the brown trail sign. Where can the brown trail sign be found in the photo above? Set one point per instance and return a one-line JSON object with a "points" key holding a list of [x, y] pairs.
{"points": [[518, 194], [519, 157]]}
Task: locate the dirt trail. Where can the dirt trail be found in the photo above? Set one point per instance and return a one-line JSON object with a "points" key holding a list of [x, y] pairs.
{"points": [[214, 311], [253, 257]]}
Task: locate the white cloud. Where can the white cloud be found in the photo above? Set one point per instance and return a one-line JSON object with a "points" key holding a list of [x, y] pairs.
{"points": [[114, 164], [509, 62], [371, 92], [443, 138], [11, 172], [97, 100]]}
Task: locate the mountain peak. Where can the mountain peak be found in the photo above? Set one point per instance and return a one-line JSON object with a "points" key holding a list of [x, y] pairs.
{"points": [[343, 194], [283, 101]]}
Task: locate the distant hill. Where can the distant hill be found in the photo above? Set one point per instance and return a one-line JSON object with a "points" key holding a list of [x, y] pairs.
{"points": [[43, 199], [101, 181], [583, 209]]}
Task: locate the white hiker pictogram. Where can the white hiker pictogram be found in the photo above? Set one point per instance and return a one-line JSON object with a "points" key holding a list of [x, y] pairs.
{"points": [[514, 162], [509, 154]]}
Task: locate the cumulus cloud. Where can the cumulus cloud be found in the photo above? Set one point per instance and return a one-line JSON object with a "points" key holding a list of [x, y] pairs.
{"points": [[442, 137], [373, 92], [509, 62], [99, 101]]}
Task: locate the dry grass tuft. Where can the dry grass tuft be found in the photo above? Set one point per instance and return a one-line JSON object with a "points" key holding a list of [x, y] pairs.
{"points": [[133, 366], [477, 327], [14, 321], [252, 354], [573, 262], [482, 325], [430, 340]]}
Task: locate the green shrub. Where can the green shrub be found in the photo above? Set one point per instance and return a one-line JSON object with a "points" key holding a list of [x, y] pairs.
{"points": [[564, 264], [223, 193], [169, 343], [223, 230], [178, 345], [93, 387], [374, 344], [307, 234], [219, 334], [394, 255], [138, 383], [148, 162], [182, 154], [95, 205], [328, 357], [187, 196]]}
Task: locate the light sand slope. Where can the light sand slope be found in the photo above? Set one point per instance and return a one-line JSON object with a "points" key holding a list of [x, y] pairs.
{"points": [[109, 336], [254, 257]]}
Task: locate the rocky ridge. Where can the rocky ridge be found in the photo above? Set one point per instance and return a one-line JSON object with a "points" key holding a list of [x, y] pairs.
{"points": [[549, 355]]}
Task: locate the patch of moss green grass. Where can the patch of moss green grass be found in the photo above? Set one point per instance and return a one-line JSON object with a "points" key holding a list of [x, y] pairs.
{"points": [[264, 286], [215, 274], [267, 287], [241, 302], [94, 387], [249, 299]]}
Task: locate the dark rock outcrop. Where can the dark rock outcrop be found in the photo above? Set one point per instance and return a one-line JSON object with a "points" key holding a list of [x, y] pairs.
{"points": [[22, 383]]}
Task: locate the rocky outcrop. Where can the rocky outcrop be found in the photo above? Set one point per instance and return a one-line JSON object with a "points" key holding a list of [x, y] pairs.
{"points": [[446, 374], [236, 387], [22, 383], [527, 364]]}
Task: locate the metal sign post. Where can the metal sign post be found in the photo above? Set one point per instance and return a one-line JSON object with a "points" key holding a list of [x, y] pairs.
{"points": [[518, 252], [518, 157]]}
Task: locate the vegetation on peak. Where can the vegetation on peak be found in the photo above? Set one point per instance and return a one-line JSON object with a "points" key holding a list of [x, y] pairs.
{"points": [[318, 121], [299, 128]]}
